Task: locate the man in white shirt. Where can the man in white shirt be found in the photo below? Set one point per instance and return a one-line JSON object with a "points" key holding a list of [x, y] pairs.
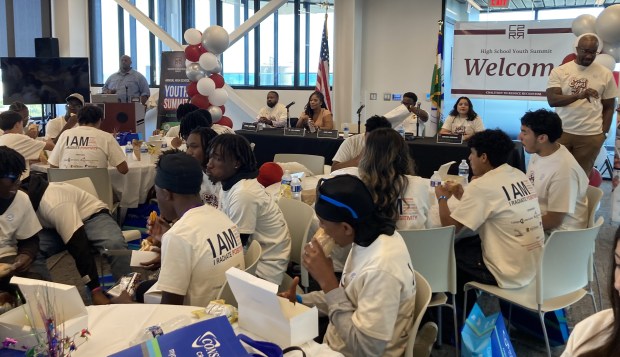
{"points": [[584, 95], [407, 115], [201, 245], [12, 125], [61, 123], [350, 151], [501, 204], [87, 146], [559, 181], [274, 114], [31, 129]]}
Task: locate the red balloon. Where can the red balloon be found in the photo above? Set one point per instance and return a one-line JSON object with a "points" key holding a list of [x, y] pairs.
{"points": [[191, 89], [595, 176], [223, 109], [201, 101], [202, 49], [218, 79], [225, 121], [192, 53], [569, 58]]}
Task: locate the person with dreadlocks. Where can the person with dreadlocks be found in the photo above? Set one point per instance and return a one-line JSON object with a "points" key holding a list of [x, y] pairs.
{"points": [[19, 226], [244, 200]]}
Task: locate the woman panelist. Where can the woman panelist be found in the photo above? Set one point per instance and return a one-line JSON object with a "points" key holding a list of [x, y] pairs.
{"points": [[316, 114]]}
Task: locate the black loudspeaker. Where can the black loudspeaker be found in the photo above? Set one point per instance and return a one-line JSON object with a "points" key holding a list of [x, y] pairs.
{"points": [[46, 47]]}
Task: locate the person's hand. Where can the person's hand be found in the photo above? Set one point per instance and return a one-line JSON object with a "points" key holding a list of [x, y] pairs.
{"points": [[123, 298], [158, 228], [589, 94], [176, 142], [456, 189], [442, 190], [71, 121], [291, 292], [154, 263], [22, 263], [319, 266], [33, 131], [99, 298]]}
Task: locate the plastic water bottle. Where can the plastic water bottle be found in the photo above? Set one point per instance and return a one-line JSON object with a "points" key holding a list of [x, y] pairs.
{"points": [[128, 149], [345, 131], [285, 187], [296, 189], [435, 179], [464, 171], [401, 131]]}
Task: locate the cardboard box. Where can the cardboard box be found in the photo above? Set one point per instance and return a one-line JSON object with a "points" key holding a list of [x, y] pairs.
{"points": [[69, 310], [264, 314]]}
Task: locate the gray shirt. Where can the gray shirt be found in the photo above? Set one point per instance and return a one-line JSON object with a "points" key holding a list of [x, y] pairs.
{"points": [[127, 85]]}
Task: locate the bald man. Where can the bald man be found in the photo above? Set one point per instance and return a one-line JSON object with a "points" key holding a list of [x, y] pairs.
{"points": [[584, 95], [127, 83]]}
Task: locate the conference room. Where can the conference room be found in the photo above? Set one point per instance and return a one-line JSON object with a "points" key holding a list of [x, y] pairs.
{"points": [[377, 53]]}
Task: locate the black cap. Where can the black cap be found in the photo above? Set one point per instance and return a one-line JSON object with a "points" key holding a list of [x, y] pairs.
{"points": [[179, 173]]}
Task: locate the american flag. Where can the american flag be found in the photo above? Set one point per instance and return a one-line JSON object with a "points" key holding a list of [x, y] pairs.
{"points": [[322, 77]]}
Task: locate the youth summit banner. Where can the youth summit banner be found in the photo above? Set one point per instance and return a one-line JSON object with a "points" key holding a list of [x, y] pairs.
{"points": [[172, 86], [508, 59]]}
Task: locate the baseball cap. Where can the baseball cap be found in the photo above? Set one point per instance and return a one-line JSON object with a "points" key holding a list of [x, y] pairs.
{"points": [[269, 173], [179, 173], [77, 96]]}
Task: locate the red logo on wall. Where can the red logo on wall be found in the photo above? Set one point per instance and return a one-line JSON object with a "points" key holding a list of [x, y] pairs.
{"points": [[498, 3]]}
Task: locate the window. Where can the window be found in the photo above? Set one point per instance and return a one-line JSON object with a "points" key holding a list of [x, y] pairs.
{"points": [[282, 52]]}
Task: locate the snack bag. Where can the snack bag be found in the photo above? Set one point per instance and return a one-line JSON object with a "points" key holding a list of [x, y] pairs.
{"points": [[137, 144]]}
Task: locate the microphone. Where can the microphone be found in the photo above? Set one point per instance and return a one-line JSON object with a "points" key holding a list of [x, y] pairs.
{"points": [[360, 109], [126, 94], [290, 105]]}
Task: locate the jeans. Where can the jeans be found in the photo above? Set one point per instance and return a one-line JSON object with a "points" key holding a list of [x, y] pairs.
{"points": [[103, 234]]}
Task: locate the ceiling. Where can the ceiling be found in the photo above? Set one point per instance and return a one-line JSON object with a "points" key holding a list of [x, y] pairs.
{"points": [[545, 4]]}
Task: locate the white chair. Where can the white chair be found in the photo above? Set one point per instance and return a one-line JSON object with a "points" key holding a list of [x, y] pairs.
{"points": [[594, 195], [314, 163], [298, 216], [100, 178], [560, 279], [251, 257], [432, 255], [422, 298]]}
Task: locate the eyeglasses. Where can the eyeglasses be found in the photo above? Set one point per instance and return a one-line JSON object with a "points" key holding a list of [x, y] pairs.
{"points": [[76, 106], [334, 202], [585, 51], [14, 178]]}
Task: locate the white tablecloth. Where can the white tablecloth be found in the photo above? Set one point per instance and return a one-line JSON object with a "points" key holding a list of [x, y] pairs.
{"points": [[131, 188], [112, 327]]}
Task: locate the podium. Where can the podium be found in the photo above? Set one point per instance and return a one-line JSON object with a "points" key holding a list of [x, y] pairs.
{"points": [[123, 117]]}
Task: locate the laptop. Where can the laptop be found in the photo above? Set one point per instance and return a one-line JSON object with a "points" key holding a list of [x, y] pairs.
{"points": [[104, 98]]}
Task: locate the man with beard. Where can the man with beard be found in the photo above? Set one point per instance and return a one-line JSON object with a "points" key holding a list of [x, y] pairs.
{"points": [[127, 83], [274, 114], [584, 95]]}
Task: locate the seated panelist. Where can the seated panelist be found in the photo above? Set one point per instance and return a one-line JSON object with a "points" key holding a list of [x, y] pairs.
{"points": [[462, 120], [316, 114]]}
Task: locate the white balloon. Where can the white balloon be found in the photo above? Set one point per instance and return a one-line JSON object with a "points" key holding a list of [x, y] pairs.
{"points": [[612, 49], [216, 113], [192, 36], [208, 62], [215, 39], [188, 62], [217, 68], [205, 86], [607, 24], [606, 60], [584, 24], [219, 97]]}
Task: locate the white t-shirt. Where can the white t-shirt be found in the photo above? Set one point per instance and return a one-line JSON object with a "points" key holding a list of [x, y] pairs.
{"points": [[277, 114], [379, 281], [209, 191], [583, 117], [222, 129], [64, 207], [196, 252], [256, 213], [561, 186], [414, 204], [590, 333], [18, 222], [28, 147], [86, 147], [350, 148], [54, 127], [458, 125], [503, 206]]}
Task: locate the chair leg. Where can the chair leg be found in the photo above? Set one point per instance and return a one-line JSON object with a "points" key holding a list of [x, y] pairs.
{"points": [[509, 318], [439, 333], [456, 329], [465, 290], [598, 289], [541, 315]]}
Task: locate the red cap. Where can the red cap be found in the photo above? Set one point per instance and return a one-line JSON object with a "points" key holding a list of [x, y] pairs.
{"points": [[269, 173]]}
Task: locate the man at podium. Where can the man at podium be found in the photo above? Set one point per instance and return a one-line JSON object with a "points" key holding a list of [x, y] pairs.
{"points": [[127, 83]]}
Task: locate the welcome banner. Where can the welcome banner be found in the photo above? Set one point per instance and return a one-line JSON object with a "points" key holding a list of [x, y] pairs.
{"points": [[508, 59]]}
